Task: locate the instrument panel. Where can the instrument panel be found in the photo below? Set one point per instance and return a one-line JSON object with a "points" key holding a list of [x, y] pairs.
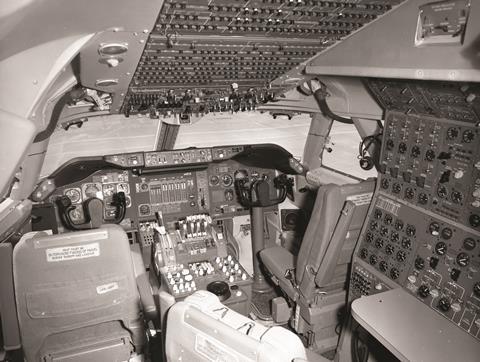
{"points": [[173, 184], [422, 232]]}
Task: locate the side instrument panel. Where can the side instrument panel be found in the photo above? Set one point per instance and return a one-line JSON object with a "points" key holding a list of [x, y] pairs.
{"points": [[423, 229]]}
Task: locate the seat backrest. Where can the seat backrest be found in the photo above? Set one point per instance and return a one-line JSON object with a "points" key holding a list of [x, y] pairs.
{"points": [[330, 237], [76, 295], [200, 328]]}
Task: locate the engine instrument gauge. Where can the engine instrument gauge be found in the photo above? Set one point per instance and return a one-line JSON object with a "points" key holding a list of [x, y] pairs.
{"points": [[74, 195], [108, 190], [227, 180], [92, 190], [123, 187]]}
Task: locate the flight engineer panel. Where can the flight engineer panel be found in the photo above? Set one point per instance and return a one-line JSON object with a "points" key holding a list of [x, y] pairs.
{"points": [[423, 229]]}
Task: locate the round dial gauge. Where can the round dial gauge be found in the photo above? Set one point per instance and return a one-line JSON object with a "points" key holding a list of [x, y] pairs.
{"points": [[468, 136], [123, 187], [452, 133], [74, 195], [76, 215], [227, 180], [92, 190], [108, 189]]}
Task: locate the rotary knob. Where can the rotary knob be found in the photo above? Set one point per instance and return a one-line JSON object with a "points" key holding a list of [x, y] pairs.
{"points": [[423, 291], [441, 248], [419, 263], [463, 259], [476, 289], [444, 304]]}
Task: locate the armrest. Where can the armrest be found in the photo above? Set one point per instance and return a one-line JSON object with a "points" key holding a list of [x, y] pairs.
{"points": [[146, 298], [149, 307]]}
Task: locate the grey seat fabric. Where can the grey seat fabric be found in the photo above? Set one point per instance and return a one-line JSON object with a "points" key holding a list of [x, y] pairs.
{"points": [[76, 296], [329, 240], [278, 260]]}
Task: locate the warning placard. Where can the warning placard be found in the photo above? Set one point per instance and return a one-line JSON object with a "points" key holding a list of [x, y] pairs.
{"points": [[73, 252]]}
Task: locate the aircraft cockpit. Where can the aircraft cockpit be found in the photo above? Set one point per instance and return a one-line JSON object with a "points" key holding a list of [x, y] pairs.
{"points": [[229, 180]]}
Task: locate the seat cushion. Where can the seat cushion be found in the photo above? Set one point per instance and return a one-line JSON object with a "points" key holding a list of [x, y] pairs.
{"points": [[277, 260]]}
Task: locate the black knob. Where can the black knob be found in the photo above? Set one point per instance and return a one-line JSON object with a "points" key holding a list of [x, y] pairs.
{"points": [[423, 291], [434, 228], [476, 289], [469, 244], [447, 233], [419, 263], [363, 253], [463, 259], [399, 225], [220, 289], [474, 220], [444, 304], [441, 248], [373, 259]]}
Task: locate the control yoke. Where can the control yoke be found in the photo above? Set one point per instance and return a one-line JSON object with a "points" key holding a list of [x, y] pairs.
{"points": [[257, 193], [93, 210]]}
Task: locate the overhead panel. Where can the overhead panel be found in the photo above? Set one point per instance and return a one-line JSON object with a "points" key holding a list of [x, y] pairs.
{"points": [[420, 39], [220, 55]]}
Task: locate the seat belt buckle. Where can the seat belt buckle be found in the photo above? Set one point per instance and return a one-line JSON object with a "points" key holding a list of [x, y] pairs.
{"points": [[290, 274]]}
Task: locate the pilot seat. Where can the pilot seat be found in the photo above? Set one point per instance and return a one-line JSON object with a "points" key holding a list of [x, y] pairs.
{"points": [[77, 296], [314, 282]]}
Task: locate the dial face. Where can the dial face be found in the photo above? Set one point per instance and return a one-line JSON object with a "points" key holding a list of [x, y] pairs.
{"points": [[423, 198], [214, 180], [397, 188], [456, 197], [74, 195], [452, 133], [463, 259], [430, 155], [468, 136], [401, 255], [406, 243], [389, 249], [123, 187], [77, 215], [469, 244], [394, 273], [108, 190], [409, 193], [442, 192], [92, 190], [227, 180]]}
